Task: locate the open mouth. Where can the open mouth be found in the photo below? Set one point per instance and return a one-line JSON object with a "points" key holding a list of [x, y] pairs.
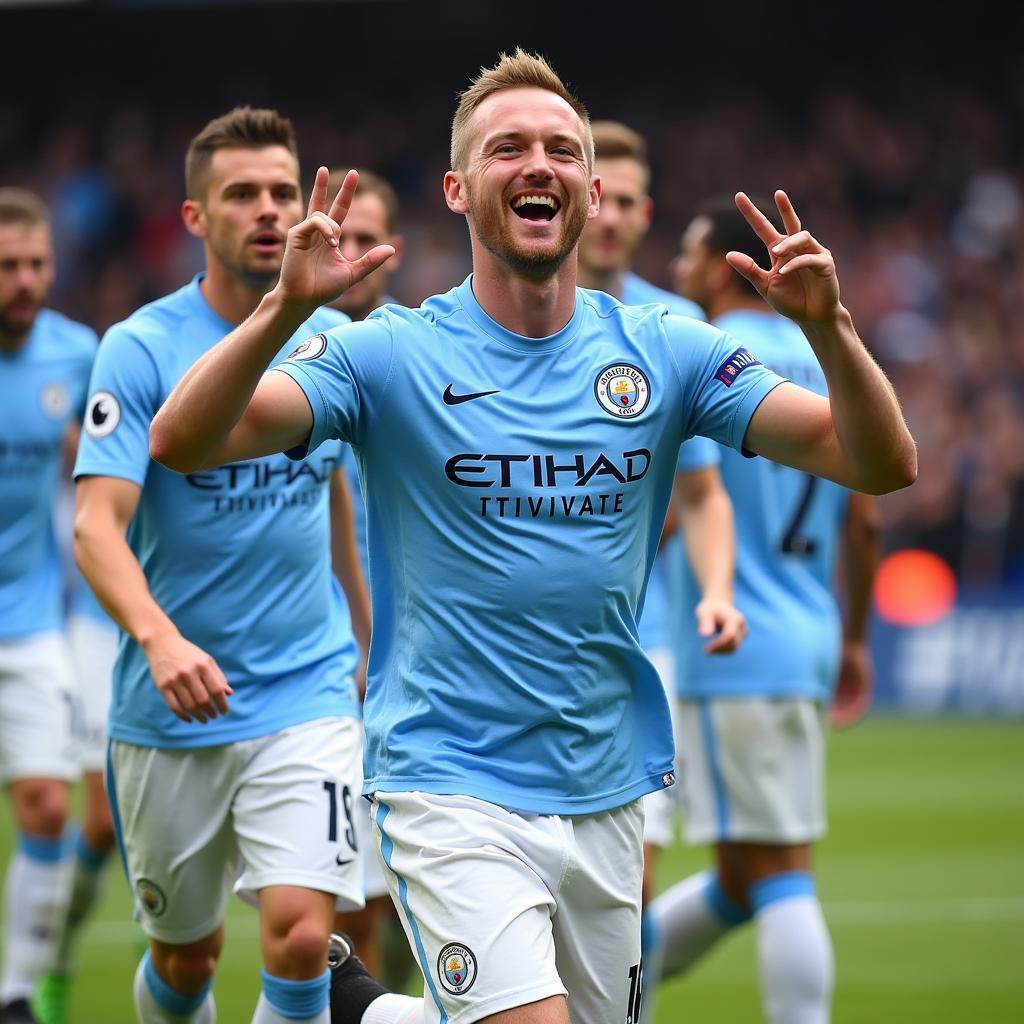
{"points": [[266, 240], [533, 206]]}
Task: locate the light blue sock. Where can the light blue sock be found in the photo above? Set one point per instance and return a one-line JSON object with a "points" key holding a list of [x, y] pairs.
{"points": [[284, 1001], [157, 1003]]}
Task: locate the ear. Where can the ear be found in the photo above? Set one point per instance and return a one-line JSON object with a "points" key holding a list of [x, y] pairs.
{"points": [[595, 197], [396, 261], [455, 193], [194, 217]]}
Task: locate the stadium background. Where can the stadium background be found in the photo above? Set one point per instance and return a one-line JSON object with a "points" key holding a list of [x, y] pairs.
{"points": [[897, 128]]}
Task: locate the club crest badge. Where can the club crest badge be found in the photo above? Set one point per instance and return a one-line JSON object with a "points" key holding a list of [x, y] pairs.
{"points": [[151, 897], [55, 401], [456, 968], [622, 390], [311, 348]]}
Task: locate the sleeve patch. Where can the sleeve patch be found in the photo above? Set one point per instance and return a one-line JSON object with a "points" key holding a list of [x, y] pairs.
{"points": [[735, 365], [311, 348]]}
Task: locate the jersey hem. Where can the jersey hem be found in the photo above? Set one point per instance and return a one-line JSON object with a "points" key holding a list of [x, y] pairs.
{"points": [[520, 801], [812, 693]]}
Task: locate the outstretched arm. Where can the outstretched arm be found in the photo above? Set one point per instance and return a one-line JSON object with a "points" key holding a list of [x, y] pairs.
{"points": [[857, 436], [224, 409]]}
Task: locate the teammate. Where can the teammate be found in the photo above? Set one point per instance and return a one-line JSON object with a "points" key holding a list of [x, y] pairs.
{"points": [[607, 247], [517, 438], [751, 751], [234, 753], [372, 220], [44, 371]]}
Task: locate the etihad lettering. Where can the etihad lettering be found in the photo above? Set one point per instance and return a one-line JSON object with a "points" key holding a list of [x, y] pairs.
{"points": [[262, 474], [477, 469]]}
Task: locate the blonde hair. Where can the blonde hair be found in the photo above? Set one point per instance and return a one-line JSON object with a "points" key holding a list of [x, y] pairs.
{"points": [[19, 206], [516, 71]]}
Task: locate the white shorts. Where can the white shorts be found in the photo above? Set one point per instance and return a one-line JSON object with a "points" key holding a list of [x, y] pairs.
{"points": [[662, 806], [39, 710], [491, 898], [375, 885], [276, 810], [93, 648], [752, 769]]}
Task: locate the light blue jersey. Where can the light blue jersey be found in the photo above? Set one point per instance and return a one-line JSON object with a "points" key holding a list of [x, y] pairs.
{"points": [[42, 389], [787, 529], [237, 556], [515, 491], [656, 623]]}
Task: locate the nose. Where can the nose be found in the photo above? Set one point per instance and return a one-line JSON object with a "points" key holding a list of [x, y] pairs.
{"points": [[268, 207], [349, 247], [27, 276], [537, 166]]}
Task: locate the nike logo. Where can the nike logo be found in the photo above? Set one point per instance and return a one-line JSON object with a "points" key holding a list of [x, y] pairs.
{"points": [[452, 399], [341, 863]]}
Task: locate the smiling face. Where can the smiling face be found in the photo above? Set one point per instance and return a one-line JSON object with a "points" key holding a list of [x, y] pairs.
{"points": [[526, 189], [252, 198], [612, 237]]}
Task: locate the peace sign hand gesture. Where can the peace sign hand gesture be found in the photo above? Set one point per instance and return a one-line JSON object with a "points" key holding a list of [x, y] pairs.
{"points": [[314, 270], [802, 282]]}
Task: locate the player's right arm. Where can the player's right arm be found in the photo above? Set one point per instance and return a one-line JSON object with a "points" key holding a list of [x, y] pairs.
{"points": [[226, 408], [189, 680]]}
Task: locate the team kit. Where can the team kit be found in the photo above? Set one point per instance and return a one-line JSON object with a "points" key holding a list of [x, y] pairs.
{"points": [[432, 609]]}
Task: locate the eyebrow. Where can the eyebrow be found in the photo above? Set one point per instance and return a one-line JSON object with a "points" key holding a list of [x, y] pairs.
{"points": [[244, 183], [521, 133]]}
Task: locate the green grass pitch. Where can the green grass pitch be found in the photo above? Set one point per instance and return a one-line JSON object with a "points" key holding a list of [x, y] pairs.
{"points": [[921, 877]]}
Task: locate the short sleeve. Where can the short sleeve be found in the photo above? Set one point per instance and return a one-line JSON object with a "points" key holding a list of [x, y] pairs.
{"points": [[343, 373], [723, 383], [124, 395], [698, 453]]}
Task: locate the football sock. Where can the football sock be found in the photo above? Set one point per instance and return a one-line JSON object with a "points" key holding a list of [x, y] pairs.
{"points": [[794, 951], [157, 1003], [651, 952], [393, 1009], [36, 893], [86, 883], [691, 917], [285, 1001]]}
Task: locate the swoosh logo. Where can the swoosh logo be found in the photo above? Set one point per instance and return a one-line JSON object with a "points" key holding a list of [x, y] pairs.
{"points": [[452, 399], [341, 863]]}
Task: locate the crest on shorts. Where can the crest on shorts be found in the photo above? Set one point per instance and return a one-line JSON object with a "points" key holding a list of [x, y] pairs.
{"points": [[456, 968], [311, 348], [622, 390], [151, 896]]}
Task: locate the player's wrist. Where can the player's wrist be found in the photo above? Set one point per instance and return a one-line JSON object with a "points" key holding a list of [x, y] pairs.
{"points": [[152, 633]]}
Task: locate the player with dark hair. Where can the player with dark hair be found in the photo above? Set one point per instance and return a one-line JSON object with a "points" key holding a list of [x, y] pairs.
{"points": [[234, 733], [752, 725], [517, 437]]}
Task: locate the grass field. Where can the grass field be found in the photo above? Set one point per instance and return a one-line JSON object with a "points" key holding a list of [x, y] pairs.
{"points": [[922, 880]]}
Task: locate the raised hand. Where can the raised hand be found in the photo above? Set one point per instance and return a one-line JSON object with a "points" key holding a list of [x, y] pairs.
{"points": [[802, 282], [314, 270]]}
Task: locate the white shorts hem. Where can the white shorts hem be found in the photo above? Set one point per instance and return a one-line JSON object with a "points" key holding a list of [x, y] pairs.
{"points": [[62, 772], [249, 885], [506, 1001]]}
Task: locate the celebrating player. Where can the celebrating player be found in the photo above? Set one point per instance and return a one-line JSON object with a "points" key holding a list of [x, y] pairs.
{"points": [[45, 360], [517, 439], [234, 723]]}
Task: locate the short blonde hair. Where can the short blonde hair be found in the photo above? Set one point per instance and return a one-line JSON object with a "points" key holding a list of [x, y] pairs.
{"points": [[516, 71], [19, 206], [615, 141]]}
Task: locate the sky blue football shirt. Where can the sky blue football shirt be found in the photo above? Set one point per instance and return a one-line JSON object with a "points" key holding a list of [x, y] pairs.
{"points": [[42, 389], [515, 492], [787, 529], [238, 556]]}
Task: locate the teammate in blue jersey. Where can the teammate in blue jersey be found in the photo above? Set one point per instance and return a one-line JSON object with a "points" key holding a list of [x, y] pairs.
{"points": [[234, 753], [44, 371], [517, 440], [752, 724]]}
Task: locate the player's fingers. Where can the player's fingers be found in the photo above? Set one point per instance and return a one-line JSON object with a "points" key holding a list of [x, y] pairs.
{"points": [[802, 241], [171, 700], [201, 705], [730, 635], [743, 264], [705, 621], [343, 200], [216, 685], [763, 227], [819, 262], [370, 261], [790, 220], [318, 195]]}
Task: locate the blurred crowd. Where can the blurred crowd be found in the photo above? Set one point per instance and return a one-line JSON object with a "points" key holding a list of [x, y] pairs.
{"points": [[920, 197]]}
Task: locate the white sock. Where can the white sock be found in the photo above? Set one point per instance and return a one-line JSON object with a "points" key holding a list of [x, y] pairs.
{"points": [[86, 885], [393, 1008], [36, 894], [690, 918], [157, 1003], [794, 951], [284, 1001]]}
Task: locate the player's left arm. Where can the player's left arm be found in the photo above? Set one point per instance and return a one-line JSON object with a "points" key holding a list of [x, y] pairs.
{"points": [[861, 553], [709, 533], [857, 436], [348, 567]]}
